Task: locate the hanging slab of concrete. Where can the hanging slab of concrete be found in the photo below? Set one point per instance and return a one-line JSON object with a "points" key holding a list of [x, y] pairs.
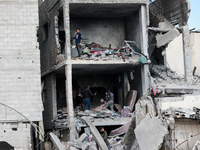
{"points": [[163, 39], [150, 133], [96, 134]]}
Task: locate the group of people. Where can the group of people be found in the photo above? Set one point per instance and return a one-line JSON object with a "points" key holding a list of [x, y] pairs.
{"points": [[84, 96]]}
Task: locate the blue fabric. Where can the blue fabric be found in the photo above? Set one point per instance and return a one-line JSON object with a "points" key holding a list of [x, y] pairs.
{"points": [[110, 96], [78, 37], [86, 103]]}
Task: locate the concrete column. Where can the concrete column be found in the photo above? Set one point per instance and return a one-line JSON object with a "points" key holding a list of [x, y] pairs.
{"points": [[69, 99], [54, 95], [144, 47], [67, 30], [125, 86], [187, 55]]}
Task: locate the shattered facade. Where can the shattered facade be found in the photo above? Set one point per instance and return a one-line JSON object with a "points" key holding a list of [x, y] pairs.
{"points": [[107, 29], [20, 91], [127, 47], [143, 51]]}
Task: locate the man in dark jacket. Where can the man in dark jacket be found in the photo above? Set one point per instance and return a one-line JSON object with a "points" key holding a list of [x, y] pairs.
{"points": [[86, 97], [78, 40]]}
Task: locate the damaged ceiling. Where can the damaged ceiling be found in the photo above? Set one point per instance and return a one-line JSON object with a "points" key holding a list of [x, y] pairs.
{"points": [[175, 11], [102, 10]]}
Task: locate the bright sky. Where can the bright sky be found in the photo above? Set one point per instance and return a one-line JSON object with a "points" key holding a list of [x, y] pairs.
{"points": [[194, 20]]}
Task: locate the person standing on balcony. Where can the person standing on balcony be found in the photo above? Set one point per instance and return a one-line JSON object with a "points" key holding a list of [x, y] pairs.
{"points": [[78, 40], [86, 97]]}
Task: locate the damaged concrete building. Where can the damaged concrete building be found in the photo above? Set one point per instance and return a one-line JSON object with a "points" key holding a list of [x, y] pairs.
{"points": [[143, 51], [128, 48], [111, 24]]}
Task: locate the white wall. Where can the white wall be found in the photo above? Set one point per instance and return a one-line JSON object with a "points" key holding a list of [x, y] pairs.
{"points": [[20, 139], [174, 55], [20, 85], [101, 31], [195, 50], [186, 129]]}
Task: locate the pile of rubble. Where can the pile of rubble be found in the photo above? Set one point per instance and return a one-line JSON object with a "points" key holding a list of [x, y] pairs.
{"points": [[182, 113], [164, 75], [97, 52], [146, 128]]}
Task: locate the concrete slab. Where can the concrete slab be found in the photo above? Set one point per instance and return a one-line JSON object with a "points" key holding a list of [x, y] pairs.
{"points": [[56, 142], [167, 37], [150, 133], [129, 137], [83, 137], [96, 134]]}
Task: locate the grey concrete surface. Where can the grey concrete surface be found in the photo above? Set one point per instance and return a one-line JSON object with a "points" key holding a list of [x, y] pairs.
{"points": [[150, 133], [187, 55], [100, 30], [96, 134], [164, 39]]}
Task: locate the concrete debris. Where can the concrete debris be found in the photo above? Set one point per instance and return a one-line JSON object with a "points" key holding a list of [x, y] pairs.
{"points": [[83, 137], [163, 39], [97, 52], [144, 107], [129, 138], [184, 102], [163, 74], [96, 134], [60, 121], [150, 137], [182, 113], [56, 141], [122, 129]]}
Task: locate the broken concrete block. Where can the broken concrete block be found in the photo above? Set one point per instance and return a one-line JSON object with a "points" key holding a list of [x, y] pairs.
{"points": [[83, 137], [163, 39], [96, 134], [150, 133], [129, 137], [85, 146], [144, 107], [92, 146], [87, 131], [56, 141]]}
